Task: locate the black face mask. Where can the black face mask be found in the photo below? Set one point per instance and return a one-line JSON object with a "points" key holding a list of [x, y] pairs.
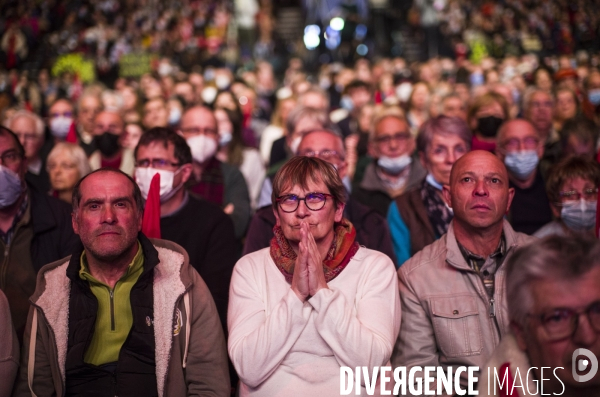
{"points": [[107, 143], [488, 126]]}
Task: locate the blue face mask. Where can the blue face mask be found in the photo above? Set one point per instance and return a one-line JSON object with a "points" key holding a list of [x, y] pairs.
{"points": [[394, 165], [11, 187], [594, 97], [579, 215], [521, 164]]}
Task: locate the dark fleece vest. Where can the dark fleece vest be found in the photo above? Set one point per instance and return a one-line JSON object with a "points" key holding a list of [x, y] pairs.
{"points": [[134, 374]]}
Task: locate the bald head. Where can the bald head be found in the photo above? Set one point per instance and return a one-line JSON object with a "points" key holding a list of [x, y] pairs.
{"points": [[479, 193], [477, 158]]}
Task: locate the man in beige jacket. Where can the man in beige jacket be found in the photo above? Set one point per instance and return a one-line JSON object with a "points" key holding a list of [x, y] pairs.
{"points": [[453, 292], [123, 315]]}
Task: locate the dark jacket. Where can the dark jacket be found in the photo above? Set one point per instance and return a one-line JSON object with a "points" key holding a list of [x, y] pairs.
{"points": [[372, 192], [414, 214], [43, 235], [53, 231], [371, 229], [207, 234]]}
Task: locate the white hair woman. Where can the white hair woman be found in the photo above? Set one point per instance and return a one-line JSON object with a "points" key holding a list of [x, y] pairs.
{"points": [[66, 164]]}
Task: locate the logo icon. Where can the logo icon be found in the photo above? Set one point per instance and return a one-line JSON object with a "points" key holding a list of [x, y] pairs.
{"points": [[581, 364]]}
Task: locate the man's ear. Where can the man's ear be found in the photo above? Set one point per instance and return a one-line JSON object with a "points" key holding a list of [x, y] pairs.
{"points": [[186, 172], [423, 159], [511, 195], [74, 222], [447, 195]]}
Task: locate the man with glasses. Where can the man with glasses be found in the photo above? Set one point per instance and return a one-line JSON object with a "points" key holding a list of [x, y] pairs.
{"points": [[200, 227], [371, 228], [217, 182], [554, 311], [393, 172], [520, 147], [35, 229], [452, 291], [29, 127]]}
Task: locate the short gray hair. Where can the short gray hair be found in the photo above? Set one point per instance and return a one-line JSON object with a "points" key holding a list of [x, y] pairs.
{"points": [[551, 258], [37, 121], [75, 152], [529, 93], [300, 112]]}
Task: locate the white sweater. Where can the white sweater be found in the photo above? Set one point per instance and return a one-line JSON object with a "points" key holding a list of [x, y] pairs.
{"points": [[281, 346]]}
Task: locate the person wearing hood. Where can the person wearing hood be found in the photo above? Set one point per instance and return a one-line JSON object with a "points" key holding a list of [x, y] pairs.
{"points": [[393, 171], [572, 188], [520, 147], [219, 183], [109, 129]]}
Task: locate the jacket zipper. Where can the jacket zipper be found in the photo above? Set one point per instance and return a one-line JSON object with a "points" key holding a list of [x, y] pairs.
{"points": [[112, 309], [492, 308]]}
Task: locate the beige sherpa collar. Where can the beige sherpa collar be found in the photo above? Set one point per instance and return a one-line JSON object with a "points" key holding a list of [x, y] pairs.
{"points": [[167, 289]]}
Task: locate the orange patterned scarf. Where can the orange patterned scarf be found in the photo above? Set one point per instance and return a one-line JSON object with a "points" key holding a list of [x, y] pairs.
{"points": [[341, 251]]}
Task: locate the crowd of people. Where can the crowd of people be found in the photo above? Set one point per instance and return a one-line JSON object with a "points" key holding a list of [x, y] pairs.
{"points": [[377, 212]]}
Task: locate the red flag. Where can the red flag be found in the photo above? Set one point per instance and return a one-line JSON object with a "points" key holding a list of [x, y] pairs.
{"points": [[151, 221], [509, 390], [72, 134]]}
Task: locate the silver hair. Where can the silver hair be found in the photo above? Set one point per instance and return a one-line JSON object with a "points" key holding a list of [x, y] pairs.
{"points": [[551, 258], [76, 154], [529, 92], [37, 121]]}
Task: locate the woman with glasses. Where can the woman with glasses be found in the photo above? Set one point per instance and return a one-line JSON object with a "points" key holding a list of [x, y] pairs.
{"points": [[66, 164], [420, 216], [314, 300], [572, 188]]}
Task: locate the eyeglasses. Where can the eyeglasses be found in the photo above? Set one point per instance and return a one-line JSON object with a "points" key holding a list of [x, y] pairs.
{"points": [[314, 201], [399, 136], [561, 323], [528, 143], [326, 154], [10, 158], [573, 195], [156, 163], [199, 130]]}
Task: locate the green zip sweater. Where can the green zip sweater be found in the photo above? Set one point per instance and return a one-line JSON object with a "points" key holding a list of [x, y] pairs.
{"points": [[114, 319]]}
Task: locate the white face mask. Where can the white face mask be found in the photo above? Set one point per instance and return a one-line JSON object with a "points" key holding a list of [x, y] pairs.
{"points": [[394, 165], [202, 147], [11, 187], [143, 177], [59, 126]]}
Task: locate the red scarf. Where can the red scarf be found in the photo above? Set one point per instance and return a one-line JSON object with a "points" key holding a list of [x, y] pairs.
{"points": [[341, 251]]}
